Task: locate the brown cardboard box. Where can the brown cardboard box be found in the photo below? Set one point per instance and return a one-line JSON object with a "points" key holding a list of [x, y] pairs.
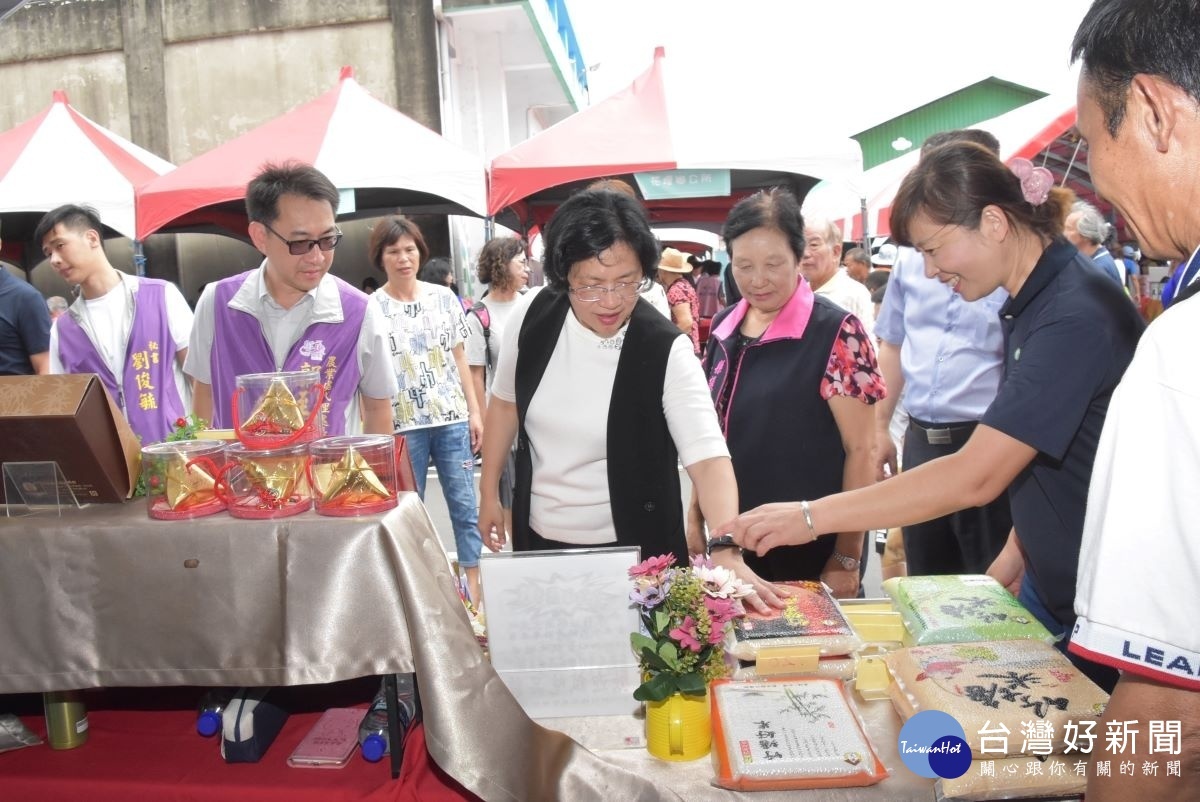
{"points": [[70, 420]]}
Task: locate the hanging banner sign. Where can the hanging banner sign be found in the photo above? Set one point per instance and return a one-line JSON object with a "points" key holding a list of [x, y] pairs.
{"points": [[667, 184]]}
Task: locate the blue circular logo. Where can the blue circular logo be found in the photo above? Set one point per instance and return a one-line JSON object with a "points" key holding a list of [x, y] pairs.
{"points": [[933, 744]]}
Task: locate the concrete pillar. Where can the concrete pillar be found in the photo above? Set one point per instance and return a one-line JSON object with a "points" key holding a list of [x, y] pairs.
{"points": [[145, 79], [414, 38]]}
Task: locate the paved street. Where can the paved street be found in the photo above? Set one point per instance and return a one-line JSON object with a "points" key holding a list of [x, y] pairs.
{"points": [[441, 519]]}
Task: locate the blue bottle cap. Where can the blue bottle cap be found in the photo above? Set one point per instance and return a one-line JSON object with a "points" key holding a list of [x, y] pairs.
{"points": [[373, 747], [208, 723]]}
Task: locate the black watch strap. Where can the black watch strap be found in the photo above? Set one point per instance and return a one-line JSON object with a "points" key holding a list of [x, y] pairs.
{"points": [[722, 542]]}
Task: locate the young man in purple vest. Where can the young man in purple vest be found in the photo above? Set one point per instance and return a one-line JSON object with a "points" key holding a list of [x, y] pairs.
{"points": [[131, 331], [291, 314]]}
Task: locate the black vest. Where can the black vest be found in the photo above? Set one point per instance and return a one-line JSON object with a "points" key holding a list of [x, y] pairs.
{"points": [[783, 438], [643, 477]]}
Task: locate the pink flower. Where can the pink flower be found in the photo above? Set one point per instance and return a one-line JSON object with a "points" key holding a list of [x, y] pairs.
{"points": [[686, 634], [720, 611], [654, 565]]}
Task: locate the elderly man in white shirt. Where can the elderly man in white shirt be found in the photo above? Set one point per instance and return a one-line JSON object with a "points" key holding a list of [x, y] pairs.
{"points": [[822, 269]]}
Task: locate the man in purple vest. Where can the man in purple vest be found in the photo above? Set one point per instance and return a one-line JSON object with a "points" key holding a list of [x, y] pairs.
{"points": [[291, 314], [131, 331]]}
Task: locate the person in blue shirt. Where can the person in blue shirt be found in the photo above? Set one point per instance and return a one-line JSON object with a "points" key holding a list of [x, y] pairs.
{"points": [[24, 328], [1129, 258], [1171, 285], [946, 356], [1069, 334], [1086, 229]]}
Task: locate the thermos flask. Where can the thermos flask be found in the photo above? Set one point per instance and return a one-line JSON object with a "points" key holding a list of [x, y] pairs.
{"points": [[66, 719]]}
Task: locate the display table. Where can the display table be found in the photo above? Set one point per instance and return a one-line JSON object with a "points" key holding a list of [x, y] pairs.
{"points": [[104, 596]]}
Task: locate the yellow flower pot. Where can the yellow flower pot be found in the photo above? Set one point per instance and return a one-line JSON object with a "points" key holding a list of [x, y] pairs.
{"points": [[679, 728]]}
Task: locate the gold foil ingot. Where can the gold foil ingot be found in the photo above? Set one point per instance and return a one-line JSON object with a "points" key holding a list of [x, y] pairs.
{"points": [[352, 481], [186, 486], [275, 479], [277, 412]]}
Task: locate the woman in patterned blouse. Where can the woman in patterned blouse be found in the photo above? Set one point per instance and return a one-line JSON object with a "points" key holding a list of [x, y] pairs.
{"points": [[673, 270], [793, 376]]}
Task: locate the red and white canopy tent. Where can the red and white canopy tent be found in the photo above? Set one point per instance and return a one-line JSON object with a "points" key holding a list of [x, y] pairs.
{"points": [[388, 160], [1041, 131], [60, 156], [651, 126]]}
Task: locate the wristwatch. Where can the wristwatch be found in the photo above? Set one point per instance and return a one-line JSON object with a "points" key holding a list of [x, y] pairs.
{"points": [[722, 542], [846, 561]]}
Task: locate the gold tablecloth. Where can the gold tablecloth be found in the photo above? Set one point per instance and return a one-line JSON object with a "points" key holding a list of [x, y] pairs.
{"points": [[107, 597]]}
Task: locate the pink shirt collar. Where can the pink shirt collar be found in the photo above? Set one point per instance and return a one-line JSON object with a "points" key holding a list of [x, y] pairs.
{"points": [[791, 321]]}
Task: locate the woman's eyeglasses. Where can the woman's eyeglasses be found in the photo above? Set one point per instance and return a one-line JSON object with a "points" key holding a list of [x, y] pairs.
{"points": [[626, 290], [299, 247]]}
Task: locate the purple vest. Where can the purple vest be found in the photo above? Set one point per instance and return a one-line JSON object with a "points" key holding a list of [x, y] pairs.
{"points": [[239, 348], [147, 393]]}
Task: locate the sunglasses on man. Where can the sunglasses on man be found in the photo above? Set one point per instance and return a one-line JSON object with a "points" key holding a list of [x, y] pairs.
{"points": [[299, 247]]}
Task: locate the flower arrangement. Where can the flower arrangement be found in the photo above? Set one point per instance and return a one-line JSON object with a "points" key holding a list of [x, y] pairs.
{"points": [[686, 613]]}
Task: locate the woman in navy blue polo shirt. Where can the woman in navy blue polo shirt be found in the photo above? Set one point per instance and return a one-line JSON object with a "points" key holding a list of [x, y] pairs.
{"points": [[1069, 335]]}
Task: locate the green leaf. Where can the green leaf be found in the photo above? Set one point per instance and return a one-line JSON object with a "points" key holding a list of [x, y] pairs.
{"points": [[640, 642], [662, 622], [692, 683], [658, 688], [653, 662], [669, 653]]}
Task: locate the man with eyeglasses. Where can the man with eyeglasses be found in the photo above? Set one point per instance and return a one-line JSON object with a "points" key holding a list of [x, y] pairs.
{"points": [[130, 331], [291, 314]]}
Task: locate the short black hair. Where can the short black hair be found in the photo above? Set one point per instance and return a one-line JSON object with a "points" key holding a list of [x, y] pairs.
{"points": [[388, 231], [877, 279], [73, 216], [769, 208], [589, 223], [859, 255], [436, 271], [287, 178], [1119, 39]]}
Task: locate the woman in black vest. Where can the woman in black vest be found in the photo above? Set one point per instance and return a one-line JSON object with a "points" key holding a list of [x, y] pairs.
{"points": [[604, 398], [792, 376]]}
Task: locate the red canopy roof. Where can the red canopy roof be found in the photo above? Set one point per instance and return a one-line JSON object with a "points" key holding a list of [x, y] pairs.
{"points": [[361, 143], [60, 156], [650, 126]]}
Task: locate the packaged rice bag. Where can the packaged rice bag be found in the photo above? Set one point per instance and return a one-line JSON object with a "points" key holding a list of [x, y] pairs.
{"points": [[961, 609], [811, 617], [1002, 693], [788, 734]]}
